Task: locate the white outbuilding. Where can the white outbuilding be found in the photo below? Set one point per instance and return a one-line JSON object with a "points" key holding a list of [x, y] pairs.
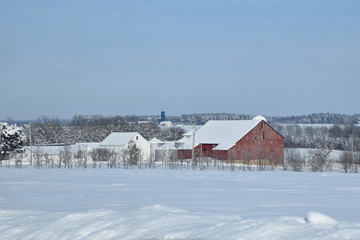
{"points": [[117, 141]]}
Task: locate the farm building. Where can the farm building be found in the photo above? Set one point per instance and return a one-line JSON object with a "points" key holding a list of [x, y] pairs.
{"points": [[154, 144], [118, 141], [163, 150], [238, 140], [54, 152]]}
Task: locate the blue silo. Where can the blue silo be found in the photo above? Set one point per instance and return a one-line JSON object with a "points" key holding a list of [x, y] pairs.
{"points": [[162, 116]]}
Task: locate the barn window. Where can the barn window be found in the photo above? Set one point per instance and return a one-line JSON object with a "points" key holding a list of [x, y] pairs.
{"points": [[137, 137], [261, 125], [204, 149]]}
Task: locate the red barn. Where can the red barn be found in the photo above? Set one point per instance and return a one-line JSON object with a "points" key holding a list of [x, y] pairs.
{"points": [[240, 140]]}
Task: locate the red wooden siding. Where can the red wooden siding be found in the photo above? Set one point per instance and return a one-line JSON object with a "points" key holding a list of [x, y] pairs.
{"points": [[262, 142]]}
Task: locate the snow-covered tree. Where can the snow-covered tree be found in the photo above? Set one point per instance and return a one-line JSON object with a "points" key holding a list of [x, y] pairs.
{"points": [[12, 137], [48, 130]]}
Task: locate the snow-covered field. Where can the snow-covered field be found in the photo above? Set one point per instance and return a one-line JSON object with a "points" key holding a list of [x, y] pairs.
{"points": [[173, 204]]}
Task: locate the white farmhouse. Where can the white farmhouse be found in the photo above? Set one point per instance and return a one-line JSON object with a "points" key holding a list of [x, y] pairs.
{"points": [[118, 141]]}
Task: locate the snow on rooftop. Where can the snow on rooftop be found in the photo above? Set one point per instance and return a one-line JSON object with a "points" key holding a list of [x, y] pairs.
{"points": [[166, 146], [259, 118], [224, 133], [118, 138], [56, 149], [155, 140], [188, 128]]}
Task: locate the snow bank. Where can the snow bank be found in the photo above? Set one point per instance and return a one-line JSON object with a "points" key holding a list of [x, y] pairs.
{"points": [[162, 222], [320, 219]]}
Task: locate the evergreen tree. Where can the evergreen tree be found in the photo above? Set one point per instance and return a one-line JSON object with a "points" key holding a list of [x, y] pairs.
{"points": [[12, 137]]}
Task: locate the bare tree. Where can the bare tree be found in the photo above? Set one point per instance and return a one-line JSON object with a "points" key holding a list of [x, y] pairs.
{"points": [[166, 157], [247, 161], [78, 158], [65, 156], [262, 162], [37, 155], [196, 159], [47, 130], [112, 162], [47, 160], [273, 162], [294, 159], [347, 161], [319, 159], [101, 155], [151, 162], [356, 161], [84, 157]]}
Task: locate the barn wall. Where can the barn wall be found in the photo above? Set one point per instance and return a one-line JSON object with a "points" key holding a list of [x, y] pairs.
{"points": [[184, 154], [262, 142]]}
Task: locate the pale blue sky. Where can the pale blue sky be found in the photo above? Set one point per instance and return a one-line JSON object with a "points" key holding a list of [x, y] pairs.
{"points": [[270, 57]]}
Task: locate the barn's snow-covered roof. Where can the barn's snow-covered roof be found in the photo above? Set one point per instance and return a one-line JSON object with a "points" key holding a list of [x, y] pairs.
{"points": [[259, 117], [118, 138], [223, 133]]}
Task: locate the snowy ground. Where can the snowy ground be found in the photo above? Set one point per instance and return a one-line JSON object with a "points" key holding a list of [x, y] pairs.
{"points": [[172, 204]]}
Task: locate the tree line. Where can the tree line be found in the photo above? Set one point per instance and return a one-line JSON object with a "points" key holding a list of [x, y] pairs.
{"points": [[202, 118], [334, 137], [93, 129], [315, 118]]}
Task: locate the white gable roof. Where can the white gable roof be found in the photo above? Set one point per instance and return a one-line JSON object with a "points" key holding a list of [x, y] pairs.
{"points": [[224, 133], [118, 138]]}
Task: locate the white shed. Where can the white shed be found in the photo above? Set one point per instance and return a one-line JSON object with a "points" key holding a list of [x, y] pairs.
{"points": [[154, 144], [166, 152]]}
